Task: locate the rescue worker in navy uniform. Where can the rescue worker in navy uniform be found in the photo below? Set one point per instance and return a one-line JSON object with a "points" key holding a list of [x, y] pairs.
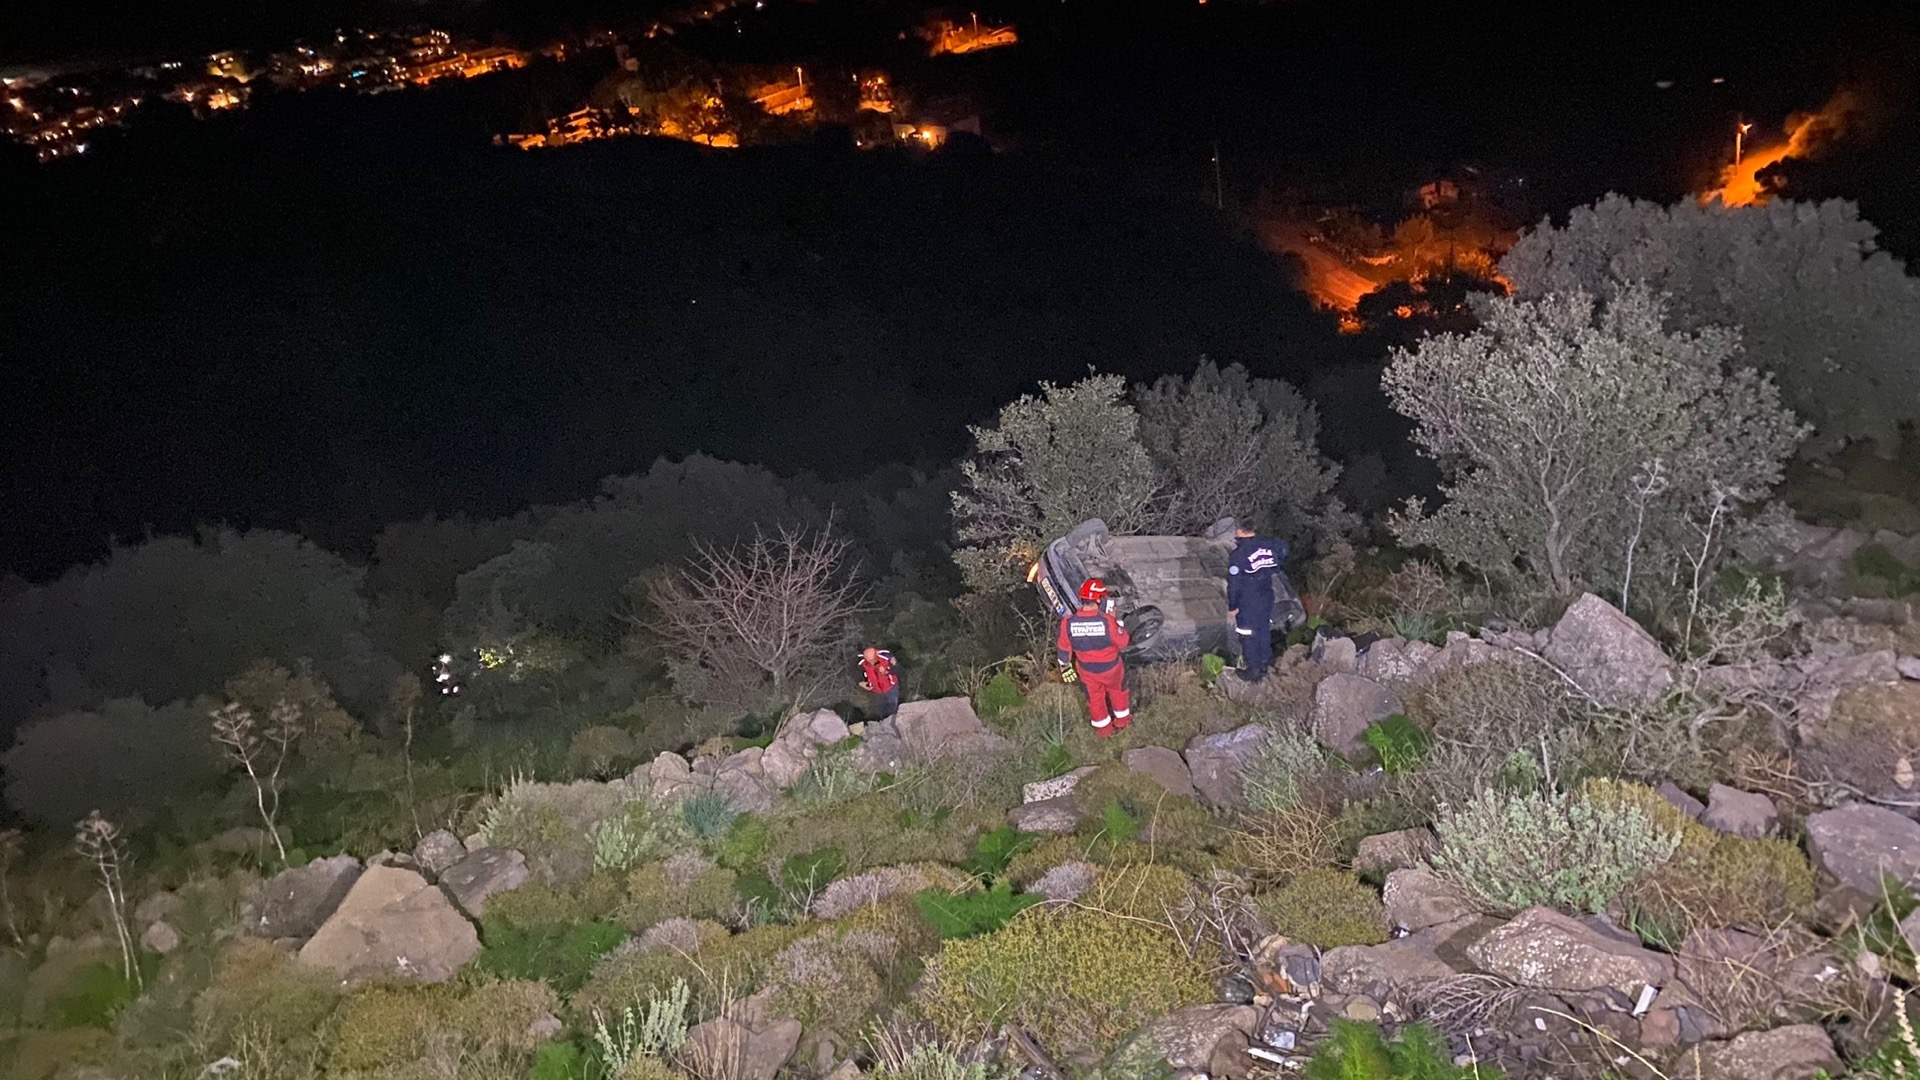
{"points": [[1250, 597]]}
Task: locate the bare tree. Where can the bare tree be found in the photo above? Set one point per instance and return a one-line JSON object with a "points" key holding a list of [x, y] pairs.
{"points": [[101, 843], [767, 622], [261, 749], [404, 701]]}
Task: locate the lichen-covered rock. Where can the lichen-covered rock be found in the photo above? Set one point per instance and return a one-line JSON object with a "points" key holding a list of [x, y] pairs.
{"points": [[393, 925], [1545, 950], [1795, 1052], [160, 937], [1056, 815], [1417, 898], [1860, 845], [482, 874], [1415, 958], [1164, 766], [1383, 852], [1054, 787], [1215, 763], [1065, 883], [1190, 1038], [1740, 813], [1612, 657], [294, 903], [1343, 707], [437, 851]]}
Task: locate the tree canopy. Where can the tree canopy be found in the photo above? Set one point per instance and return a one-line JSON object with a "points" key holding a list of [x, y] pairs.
{"points": [[1833, 319]]}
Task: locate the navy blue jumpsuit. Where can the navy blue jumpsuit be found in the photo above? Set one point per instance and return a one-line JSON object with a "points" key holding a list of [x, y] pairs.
{"points": [[1250, 592]]}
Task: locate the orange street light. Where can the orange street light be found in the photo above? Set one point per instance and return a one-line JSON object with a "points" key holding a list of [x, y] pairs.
{"points": [[1739, 140]]}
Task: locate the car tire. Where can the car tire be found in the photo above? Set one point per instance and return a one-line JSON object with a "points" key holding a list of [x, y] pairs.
{"points": [[1143, 627]]}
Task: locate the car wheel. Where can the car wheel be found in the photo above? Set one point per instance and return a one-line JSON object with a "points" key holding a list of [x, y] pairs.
{"points": [[1143, 627]]}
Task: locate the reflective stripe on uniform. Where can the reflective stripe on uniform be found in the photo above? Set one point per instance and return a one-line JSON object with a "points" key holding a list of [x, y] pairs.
{"points": [[1103, 722]]}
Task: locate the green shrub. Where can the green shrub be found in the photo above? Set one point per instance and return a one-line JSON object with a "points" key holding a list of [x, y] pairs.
{"points": [[1285, 766], [601, 751], [1115, 825], [1399, 741], [559, 1061], [1512, 850], [1875, 561], [92, 996], [803, 874], [832, 779], [1170, 822], [1327, 908], [970, 914], [552, 824], [744, 846], [1000, 694], [708, 816], [560, 955], [656, 1031], [996, 849], [408, 1030], [1077, 980], [1357, 1051], [1148, 891], [1212, 665]]}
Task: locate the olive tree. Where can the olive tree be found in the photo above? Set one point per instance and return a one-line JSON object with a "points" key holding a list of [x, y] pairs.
{"points": [[1224, 442], [1053, 460], [1577, 435], [1832, 319]]}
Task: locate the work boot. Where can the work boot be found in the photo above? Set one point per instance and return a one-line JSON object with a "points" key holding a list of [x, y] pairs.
{"points": [[1121, 720], [1104, 731]]}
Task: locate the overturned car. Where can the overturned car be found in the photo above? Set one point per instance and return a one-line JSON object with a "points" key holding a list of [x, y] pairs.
{"points": [[1170, 592]]}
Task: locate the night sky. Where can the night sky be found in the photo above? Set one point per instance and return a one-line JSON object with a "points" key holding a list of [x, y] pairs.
{"points": [[332, 312]]}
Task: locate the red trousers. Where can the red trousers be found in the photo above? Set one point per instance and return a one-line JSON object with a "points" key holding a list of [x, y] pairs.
{"points": [[1106, 695]]}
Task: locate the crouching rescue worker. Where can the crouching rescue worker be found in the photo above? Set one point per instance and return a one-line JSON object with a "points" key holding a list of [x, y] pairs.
{"points": [[1090, 643], [877, 677], [1250, 597]]}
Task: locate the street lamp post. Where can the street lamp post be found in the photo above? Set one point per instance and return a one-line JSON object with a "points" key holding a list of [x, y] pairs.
{"points": [[1739, 140]]}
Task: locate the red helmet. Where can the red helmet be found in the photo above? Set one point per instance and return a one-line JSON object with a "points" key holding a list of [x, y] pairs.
{"points": [[1093, 590]]}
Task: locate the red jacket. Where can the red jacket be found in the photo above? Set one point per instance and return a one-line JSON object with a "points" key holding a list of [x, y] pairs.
{"points": [[879, 674], [1092, 639]]}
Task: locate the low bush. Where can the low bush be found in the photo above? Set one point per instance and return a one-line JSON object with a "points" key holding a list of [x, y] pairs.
{"points": [[966, 915], [1357, 1051], [832, 779], [744, 845], [536, 905], [737, 964], [1078, 980], [1327, 908], [1146, 891], [930, 1061], [92, 996], [1724, 881], [685, 886], [386, 1026], [1282, 770], [601, 752], [258, 992], [1145, 811], [1511, 850], [1274, 846], [552, 824]]}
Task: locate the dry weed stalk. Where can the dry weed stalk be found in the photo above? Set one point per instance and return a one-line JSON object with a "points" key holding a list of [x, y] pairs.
{"points": [[262, 749], [101, 843]]}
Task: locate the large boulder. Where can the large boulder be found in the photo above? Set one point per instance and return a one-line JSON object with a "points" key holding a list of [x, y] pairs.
{"points": [[437, 851], [1417, 898], [667, 778], [393, 925], [1545, 950], [1860, 845], [1418, 957], [294, 903], [748, 1051], [1609, 655], [1795, 1052], [1194, 1036], [1214, 762], [1165, 767], [1343, 706], [1337, 655], [943, 727], [790, 755], [481, 875], [1741, 813], [741, 782]]}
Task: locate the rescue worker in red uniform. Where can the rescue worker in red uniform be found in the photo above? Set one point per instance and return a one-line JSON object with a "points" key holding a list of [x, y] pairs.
{"points": [[1090, 642], [878, 678]]}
